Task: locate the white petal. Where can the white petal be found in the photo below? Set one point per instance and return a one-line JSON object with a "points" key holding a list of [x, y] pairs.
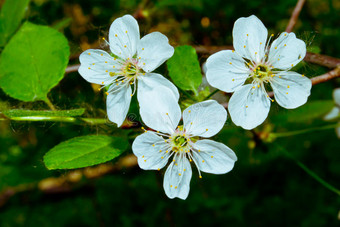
{"points": [[337, 130], [124, 36], [333, 114], [249, 106], [249, 37], [153, 50], [336, 96], [177, 179], [118, 103], [286, 51], [159, 108], [150, 150], [213, 157], [291, 90], [150, 81], [226, 70], [96, 66], [204, 119]]}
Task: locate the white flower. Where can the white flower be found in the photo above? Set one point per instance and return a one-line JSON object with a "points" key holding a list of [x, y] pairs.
{"points": [[253, 65], [154, 149], [335, 112], [132, 59]]}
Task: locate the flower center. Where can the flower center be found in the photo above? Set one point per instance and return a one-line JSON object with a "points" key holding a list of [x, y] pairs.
{"points": [[261, 73], [130, 70], [180, 141]]}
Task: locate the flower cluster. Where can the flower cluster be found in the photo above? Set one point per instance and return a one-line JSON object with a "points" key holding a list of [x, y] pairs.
{"points": [[247, 71]]}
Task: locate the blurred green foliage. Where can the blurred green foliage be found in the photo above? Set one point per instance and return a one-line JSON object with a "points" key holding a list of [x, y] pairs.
{"points": [[266, 188]]}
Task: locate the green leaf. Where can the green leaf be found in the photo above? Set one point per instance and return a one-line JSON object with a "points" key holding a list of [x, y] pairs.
{"points": [[11, 15], [43, 113], [310, 111], [84, 151], [33, 62], [184, 68]]}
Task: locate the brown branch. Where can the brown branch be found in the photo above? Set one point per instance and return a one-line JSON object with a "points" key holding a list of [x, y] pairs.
{"points": [[69, 181], [322, 60], [295, 15], [327, 76]]}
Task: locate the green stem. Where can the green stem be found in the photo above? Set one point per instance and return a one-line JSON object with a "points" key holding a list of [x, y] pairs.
{"points": [[310, 172], [92, 121], [298, 132], [188, 95], [211, 94], [49, 103]]}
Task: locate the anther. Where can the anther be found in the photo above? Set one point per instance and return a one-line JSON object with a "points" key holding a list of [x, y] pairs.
{"points": [[89, 53]]}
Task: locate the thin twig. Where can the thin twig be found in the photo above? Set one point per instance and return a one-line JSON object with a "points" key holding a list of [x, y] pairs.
{"points": [[327, 76], [295, 15]]}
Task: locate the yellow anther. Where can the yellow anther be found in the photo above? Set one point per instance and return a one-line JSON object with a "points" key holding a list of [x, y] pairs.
{"points": [[145, 160], [292, 65], [139, 58], [153, 145], [106, 71], [275, 48], [244, 46], [246, 106], [143, 63], [260, 43], [105, 61], [167, 113], [199, 150], [170, 186], [200, 176], [230, 63], [89, 68], [202, 160], [166, 151], [143, 156], [114, 58], [280, 77], [302, 75], [101, 54], [179, 174], [285, 45], [176, 187], [184, 169], [113, 66], [158, 169], [162, 157], [253, 87], [190, 160], [116, 35], [128, 59], [247, 34], [107, 93], [255, 52], [142, 48], [233, 51], [212, 156], [160, 150], [233, 79], [143, 74], [278, 59], [117, 84], [103, 39], [125, 46], [206, 130], [191, 123], [125, 31], [89, 53], [285, 34], [142, 128], [287, 93], [174, 160], [258, 85], [272, 100], [189, 111], [272, 35], [288, 86]]}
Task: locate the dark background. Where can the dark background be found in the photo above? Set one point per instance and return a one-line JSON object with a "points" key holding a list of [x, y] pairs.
{"points": [[266, 187]]}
